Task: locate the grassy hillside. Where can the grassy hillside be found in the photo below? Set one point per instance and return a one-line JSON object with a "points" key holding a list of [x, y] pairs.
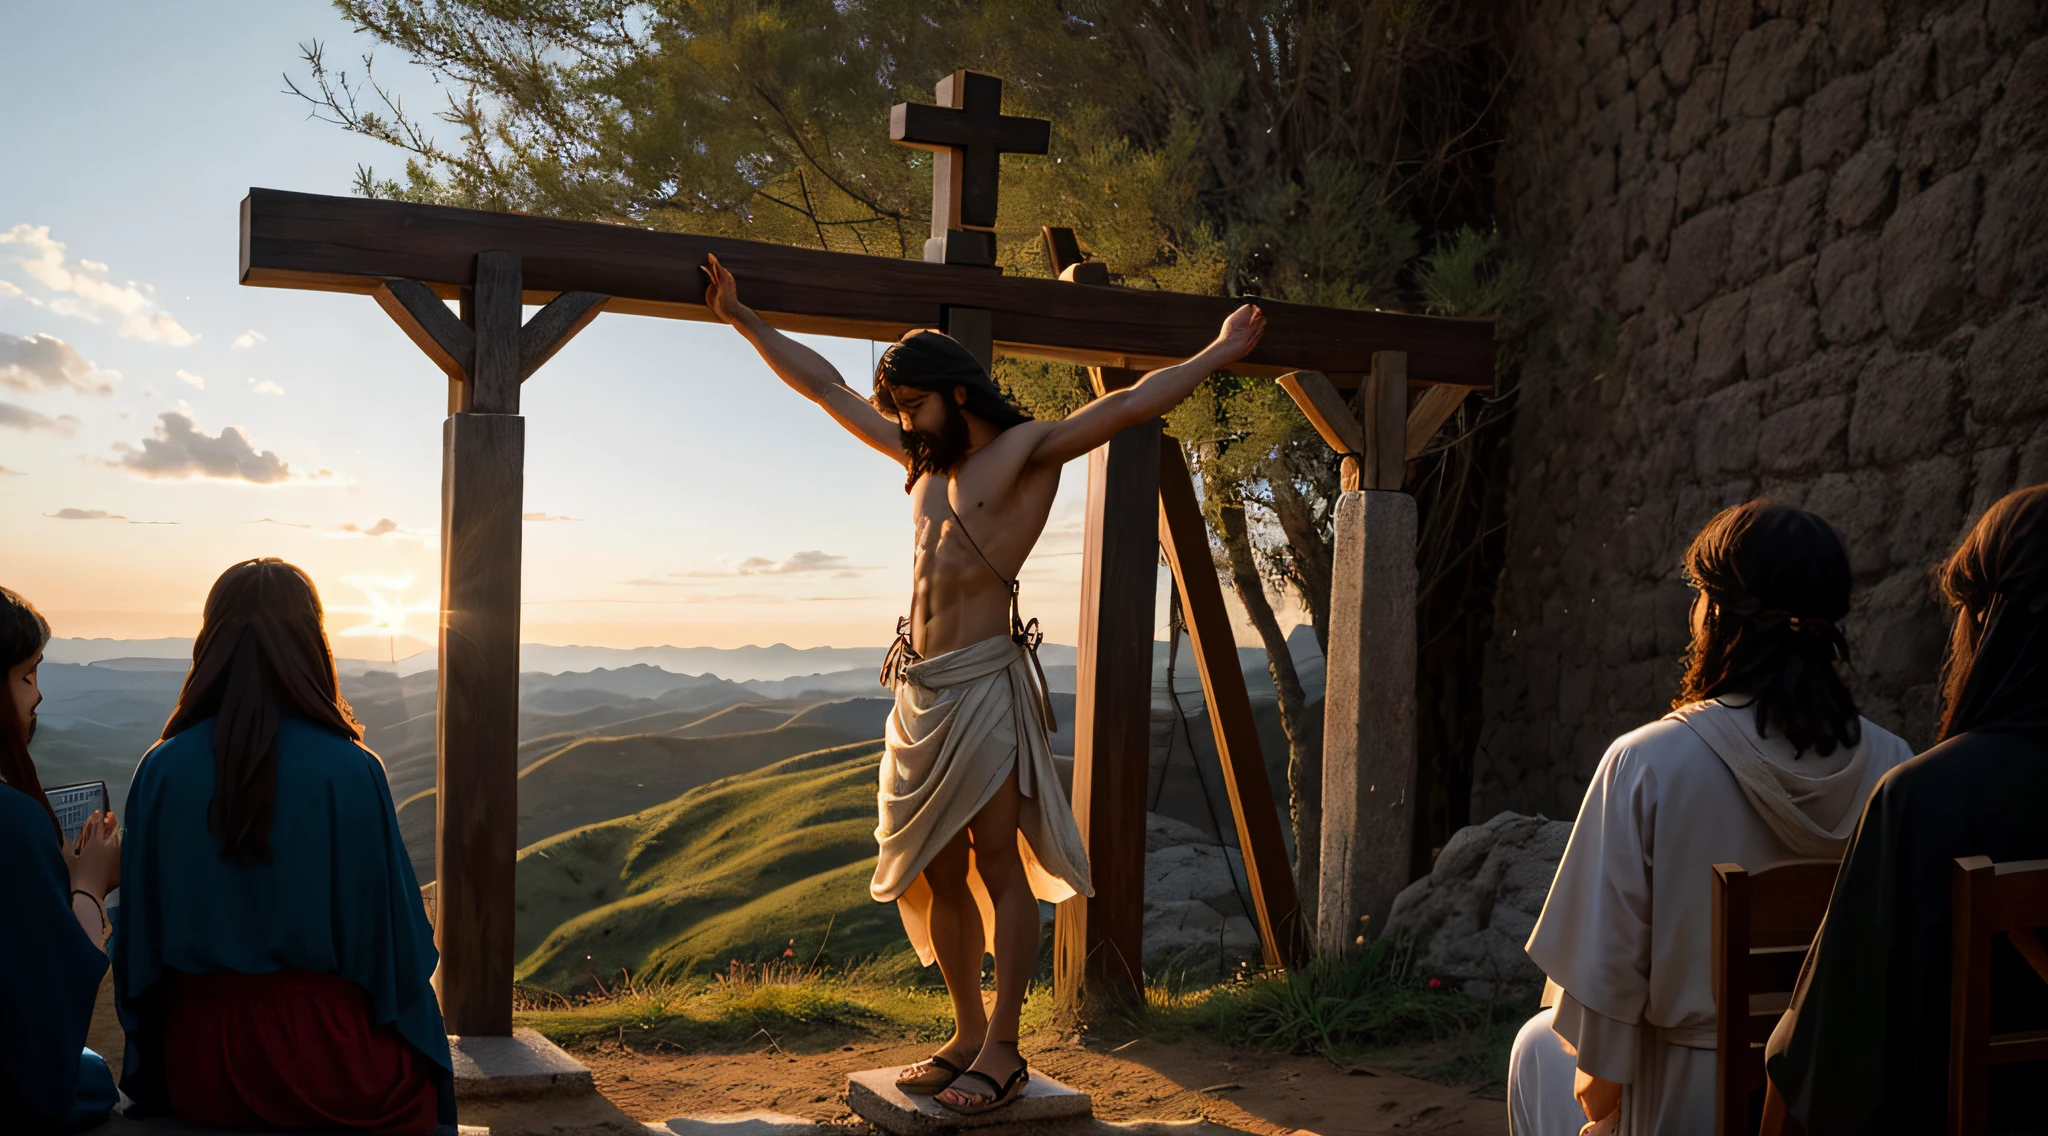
{"points": [[597, 778], [733, 869]]}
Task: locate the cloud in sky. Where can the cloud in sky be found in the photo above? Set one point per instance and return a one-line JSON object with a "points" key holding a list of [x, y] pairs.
{"points": [[545, 517], [807, 562], [179, 449], [80, 289], [265, 387], [275, 521], [98, 515], [45, 362], [189, 377], [247, 339], [385, 526], [5, 472], [19, 417]]}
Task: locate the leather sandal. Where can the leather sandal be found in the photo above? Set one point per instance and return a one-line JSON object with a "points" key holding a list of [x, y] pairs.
{"points": [[929, 1077], [999, 1095]]}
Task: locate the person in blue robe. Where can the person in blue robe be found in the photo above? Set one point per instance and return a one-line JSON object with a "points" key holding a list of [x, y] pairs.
{"points": [[50, 964], [234, 904]]}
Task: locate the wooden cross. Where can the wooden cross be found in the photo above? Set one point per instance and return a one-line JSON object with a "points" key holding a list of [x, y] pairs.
{"points": [[413, 258], [967, 134]]}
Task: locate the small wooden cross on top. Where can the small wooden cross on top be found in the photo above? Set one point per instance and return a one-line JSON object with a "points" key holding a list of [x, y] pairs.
{"points": [[967, 134]]}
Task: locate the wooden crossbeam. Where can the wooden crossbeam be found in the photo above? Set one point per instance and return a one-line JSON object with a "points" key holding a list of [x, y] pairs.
{"points": [[349, 244], [1275, 906]]}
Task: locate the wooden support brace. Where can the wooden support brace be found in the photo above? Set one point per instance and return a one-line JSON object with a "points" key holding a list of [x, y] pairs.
{"points": [[1432, 410], [426, 320], [1331, 416], [552, 327], [1185, 536]]}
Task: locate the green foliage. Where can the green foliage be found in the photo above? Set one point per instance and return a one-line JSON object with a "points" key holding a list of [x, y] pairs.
{"points": [[1467, 274]]}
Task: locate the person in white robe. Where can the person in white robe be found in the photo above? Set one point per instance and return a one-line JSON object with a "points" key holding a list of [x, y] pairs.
{"points": [[1765, 759]]}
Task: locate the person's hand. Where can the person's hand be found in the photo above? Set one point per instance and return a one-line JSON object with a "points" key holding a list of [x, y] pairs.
{"points": [[1601, 1099], [722, 294], [1239, 334], [95, 857]]}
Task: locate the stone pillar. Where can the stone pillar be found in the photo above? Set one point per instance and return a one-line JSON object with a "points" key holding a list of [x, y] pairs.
{"points": [[1368, 719]]}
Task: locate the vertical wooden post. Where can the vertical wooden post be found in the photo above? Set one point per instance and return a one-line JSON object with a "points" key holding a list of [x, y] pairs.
{"points": [[482, 480], [1098, 943], [972, 328], [1369, 692], [1186, 540], [1386, 421]]}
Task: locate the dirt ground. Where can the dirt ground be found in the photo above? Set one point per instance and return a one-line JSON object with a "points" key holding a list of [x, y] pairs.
{"points": [[1143, 1080]]}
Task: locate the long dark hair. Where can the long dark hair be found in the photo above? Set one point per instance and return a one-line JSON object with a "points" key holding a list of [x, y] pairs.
{"points": [[933, 361], [1996, 672], [262, 653], [23, 635], [1778, 581]]}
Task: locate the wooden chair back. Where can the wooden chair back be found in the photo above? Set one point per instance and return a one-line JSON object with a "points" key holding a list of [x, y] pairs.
{"points": [[1989, 899], [1764, 921]]}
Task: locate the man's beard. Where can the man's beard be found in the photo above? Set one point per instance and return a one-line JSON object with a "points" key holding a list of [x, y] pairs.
{"points": [[937, 451]]}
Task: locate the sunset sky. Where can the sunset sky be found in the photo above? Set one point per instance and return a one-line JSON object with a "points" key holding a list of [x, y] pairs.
{"points": [[159, 422]]}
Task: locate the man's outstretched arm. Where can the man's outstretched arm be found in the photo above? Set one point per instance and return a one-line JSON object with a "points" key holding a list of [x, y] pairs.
{"points": [[806, 371], [1153, 395]]}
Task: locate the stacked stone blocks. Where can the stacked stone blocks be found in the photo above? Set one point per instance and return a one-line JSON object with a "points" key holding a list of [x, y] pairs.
{"points": [[1792, 248]]}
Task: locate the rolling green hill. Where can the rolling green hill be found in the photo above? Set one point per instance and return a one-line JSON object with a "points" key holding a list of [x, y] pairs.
{"points": [[732, 869], [597, 778]]}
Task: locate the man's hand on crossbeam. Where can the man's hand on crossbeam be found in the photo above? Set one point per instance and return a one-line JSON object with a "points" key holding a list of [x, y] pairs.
{"points": [[1153, 395], [806, 371]]}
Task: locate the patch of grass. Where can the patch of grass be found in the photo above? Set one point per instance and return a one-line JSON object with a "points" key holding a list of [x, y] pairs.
{"points": [[1369, 1007], [753, 1008]]}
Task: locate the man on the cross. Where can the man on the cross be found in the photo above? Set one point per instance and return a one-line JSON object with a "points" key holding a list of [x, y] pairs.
{"points": [[974, 826]]}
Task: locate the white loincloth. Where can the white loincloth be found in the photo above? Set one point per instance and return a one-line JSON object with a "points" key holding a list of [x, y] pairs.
{"points": [[962, 720]]}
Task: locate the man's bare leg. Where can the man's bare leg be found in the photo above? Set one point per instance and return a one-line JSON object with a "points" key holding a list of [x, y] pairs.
{"points": [[994, 832], [957, 940]]}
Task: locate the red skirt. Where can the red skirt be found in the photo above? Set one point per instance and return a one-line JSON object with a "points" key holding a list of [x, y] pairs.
{"points": [[292, 1049]]}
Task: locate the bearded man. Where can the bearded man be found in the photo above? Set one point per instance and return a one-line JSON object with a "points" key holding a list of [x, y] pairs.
{"points": [[974, 826]]}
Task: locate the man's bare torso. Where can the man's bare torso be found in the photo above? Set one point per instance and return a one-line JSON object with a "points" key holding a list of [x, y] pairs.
{"points": [[1003, 499]]}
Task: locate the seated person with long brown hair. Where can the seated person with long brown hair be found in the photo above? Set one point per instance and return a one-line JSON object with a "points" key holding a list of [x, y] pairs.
{"points": [[1864, 1048], [52, 899], [272, 958], [1763, 758]]}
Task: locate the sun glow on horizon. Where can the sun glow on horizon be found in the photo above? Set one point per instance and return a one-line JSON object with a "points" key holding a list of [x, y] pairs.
{"points": [[386, 607]]}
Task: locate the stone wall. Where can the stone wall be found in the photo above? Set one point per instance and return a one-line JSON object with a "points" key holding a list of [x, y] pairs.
{"points": [[1794, 249]]}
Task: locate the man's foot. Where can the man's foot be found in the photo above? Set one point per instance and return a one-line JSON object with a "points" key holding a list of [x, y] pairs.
{"points": [[998, 1077], [934, 1073]]}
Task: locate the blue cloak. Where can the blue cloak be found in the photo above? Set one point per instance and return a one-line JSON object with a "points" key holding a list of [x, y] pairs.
{"points": [[49, 979], [337, 896]]}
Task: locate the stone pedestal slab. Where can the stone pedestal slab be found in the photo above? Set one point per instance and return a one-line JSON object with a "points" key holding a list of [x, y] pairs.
{"points": [[522, 1066], [1046, 1106]]}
